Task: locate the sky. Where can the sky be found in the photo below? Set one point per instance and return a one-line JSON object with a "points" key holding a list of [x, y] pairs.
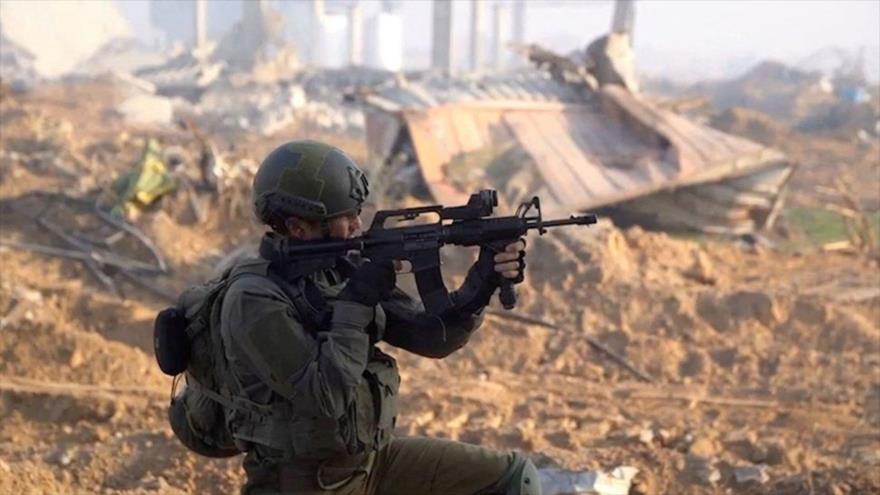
{"points": [[688, 39], [677, 39]]}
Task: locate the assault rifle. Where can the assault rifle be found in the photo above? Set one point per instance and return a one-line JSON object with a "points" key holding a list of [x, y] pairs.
{"points": [[468, 225]]}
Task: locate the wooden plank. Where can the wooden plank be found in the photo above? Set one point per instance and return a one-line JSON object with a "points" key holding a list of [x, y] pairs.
{"points": [[463, 124], [723, 193], [564, 186], [578, 159], [669, 213], [571, 161], [624, 179], [588, 135], [710, 208], [434, 147], [765, 181], [492, 127]]}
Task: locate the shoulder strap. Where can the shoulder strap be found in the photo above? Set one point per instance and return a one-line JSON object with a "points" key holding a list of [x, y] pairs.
{"points": [[236, 402], [307, 299]]}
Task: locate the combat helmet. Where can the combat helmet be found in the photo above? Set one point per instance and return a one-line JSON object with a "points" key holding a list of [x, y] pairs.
{"points": [[310, 180]]}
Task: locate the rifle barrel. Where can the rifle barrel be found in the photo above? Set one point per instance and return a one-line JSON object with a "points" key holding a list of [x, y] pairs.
{"points": [[573, 220]]}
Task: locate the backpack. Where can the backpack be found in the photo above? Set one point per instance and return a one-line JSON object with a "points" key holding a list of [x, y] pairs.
{"points": [[187, 343]]}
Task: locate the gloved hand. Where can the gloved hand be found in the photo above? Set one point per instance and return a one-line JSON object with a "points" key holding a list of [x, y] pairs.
{"points": [[370, 283], [497, 262]]}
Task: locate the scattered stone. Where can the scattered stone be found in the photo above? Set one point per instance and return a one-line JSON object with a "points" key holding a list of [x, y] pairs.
{"points": [[147, 110], [701, 270], [63, 456], [703, 469], [561, 482], [154, 483], [749, 474], [704, 447], [646, 436], [76, 358]]}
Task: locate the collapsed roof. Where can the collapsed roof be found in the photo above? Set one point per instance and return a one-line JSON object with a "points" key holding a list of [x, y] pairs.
{"points": [[578, 141]]}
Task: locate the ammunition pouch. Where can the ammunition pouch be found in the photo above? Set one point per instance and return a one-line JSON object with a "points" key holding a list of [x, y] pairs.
{"points": [[170, 342]]}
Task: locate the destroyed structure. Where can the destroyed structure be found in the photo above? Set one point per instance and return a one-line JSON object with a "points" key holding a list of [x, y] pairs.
{"points": [[573, 133]]}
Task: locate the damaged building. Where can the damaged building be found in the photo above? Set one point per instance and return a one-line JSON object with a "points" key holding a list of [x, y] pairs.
{"points": [[575, 131]]}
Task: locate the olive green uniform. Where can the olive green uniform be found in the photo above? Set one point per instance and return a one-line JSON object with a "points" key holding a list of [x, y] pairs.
{"points": [[331, 394]]}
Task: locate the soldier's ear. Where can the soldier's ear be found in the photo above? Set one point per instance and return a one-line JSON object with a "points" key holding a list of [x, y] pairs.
{"points": [[299, 228], [295, 228]]}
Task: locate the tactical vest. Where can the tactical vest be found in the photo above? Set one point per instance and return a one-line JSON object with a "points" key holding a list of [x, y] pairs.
{"points": [[282, 429]]}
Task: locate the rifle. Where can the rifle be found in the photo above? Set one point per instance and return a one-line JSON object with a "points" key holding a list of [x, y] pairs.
{"points": [[467, 225]]}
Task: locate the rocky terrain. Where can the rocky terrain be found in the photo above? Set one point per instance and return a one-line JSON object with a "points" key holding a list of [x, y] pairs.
{"points": [[711, 366]]}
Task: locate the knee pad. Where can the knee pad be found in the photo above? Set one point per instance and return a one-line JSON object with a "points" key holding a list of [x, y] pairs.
{"points": [[520, 478]]}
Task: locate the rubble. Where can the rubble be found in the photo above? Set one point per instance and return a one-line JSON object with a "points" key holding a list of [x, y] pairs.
{"points": [[703, 469], [120, 55], [16, 65], [615, 482], [26, 24], [186, 75], [147, 110], [772, 97], [751, 474]]}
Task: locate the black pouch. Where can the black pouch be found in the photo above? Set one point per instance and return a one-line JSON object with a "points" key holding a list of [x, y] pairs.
{"points": [[170, 344]]}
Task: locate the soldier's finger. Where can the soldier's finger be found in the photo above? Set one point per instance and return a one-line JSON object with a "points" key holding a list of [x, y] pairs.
{"points": [[507, 267], [510, 274], [505, 256], [515, 247]]}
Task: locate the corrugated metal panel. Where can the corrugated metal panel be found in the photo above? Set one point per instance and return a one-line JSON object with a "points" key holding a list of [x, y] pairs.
{"points": [[520, 86]]}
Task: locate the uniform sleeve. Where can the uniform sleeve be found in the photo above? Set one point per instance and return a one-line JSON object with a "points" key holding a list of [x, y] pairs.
{"points": [[409, 327], [265, 338]]}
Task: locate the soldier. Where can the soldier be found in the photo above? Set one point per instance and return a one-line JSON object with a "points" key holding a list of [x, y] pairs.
{"points": [[317, 400]]}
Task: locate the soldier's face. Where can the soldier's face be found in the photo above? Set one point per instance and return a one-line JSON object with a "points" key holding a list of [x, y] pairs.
{"points": [[345, 226], [341, 227]]}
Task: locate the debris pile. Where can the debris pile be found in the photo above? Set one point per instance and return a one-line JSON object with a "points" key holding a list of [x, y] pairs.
{"points": [[808, 101]]}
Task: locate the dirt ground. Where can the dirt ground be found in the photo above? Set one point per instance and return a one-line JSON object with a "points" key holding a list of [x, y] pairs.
{"points": [[760, 361]]}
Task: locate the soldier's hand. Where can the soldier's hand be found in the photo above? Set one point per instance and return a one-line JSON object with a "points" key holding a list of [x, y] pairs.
{"points": [[510, 262], [372, 282]]}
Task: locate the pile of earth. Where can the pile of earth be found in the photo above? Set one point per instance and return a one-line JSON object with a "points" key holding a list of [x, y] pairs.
{"points": [[756, 370]]}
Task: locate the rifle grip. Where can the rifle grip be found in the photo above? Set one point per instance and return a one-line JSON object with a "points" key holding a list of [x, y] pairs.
{"points": [[508, 294]]}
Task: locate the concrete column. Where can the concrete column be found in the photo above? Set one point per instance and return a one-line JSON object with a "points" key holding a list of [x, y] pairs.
{"points": [[355, 34], [519, 22], [201, 23], [622, 20], [441, 46], [477, 8], [316, 16], [624, 17], [497, 30]]}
